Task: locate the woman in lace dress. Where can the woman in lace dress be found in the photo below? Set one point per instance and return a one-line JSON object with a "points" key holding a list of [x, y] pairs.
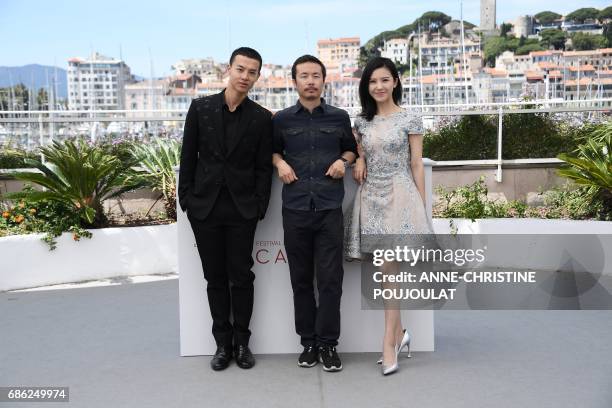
{"points": [[389, 208]]}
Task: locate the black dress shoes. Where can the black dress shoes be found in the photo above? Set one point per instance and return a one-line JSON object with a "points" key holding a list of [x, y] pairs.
{"points": [[222, 358], [244, 357]]}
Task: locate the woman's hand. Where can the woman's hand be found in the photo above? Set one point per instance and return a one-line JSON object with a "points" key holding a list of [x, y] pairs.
{"points": [[360, 171]]}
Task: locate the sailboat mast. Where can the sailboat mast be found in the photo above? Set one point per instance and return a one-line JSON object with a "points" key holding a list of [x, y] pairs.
{"points": [[421, 66], [463, 58]]}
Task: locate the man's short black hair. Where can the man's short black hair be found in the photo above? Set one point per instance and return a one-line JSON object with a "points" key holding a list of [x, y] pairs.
{"points": [[246, 52], [306, 58]]}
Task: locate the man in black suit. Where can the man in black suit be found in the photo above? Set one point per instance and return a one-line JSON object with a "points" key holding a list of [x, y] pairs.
{"points": [[224, 185]]}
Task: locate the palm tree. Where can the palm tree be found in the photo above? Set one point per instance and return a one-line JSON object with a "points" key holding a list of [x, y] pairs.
{"points": [[78, 175], [590, 166]]}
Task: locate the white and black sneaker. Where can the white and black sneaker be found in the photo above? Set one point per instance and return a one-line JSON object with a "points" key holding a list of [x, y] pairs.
{"points": [[329, 358], [308, 358]]}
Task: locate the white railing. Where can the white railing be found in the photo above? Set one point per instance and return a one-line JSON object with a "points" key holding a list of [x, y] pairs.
{"points": [[175, 117]]}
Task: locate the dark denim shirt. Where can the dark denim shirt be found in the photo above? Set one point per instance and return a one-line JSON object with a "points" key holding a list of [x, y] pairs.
{"points": [[310, 143]]}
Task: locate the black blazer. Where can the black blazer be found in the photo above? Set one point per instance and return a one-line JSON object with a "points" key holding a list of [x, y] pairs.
{"points": [[246, 166]]}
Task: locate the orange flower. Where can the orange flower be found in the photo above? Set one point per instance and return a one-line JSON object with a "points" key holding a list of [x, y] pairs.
{"points": [[19, 219], [75, 236], [32, 210], [6, 214]]}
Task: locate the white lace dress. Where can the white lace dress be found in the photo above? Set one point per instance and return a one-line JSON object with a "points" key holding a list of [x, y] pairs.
{"points": [[387, 210]]}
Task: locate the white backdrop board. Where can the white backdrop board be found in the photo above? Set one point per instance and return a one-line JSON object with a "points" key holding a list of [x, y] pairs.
{"points": [[272, 324]]}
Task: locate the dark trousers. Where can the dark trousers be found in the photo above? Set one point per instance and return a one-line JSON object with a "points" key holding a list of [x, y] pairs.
{"points": [[225, 245], [313, 241]]}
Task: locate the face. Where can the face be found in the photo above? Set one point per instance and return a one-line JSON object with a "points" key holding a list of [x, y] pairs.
{"points": [[243, 73], [381, 85], [309, 80]]}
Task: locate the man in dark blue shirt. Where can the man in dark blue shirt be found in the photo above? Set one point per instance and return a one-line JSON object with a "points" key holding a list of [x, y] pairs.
{"points": [[313, 144]]}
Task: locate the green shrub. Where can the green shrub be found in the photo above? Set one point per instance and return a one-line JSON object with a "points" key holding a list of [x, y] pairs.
{"points": [[43, 216], [565, 202], [524, 136], [473, 137], [572, 202], [469, 202], [14, 158]]}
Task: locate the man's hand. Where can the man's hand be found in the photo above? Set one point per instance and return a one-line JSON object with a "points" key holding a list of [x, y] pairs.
{"points": [[285, 172], [336, 170], [360, 171]]}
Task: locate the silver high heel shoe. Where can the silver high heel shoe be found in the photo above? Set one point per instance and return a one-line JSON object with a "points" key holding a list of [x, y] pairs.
{"points": [[404, 343], [386, 370]]}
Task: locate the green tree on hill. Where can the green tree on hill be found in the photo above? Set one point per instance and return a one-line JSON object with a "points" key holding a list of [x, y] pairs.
{"points": [[581, 15], [429, 21], [547, 17], [493, 47], [505, 28], [586, 42], [432, 20], [527, 48], [605, 14], [552, 37], [607, 33]]}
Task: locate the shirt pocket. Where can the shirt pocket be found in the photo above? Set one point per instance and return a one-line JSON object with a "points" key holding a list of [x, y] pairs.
{"points": [[329, 137], [295, 139]]}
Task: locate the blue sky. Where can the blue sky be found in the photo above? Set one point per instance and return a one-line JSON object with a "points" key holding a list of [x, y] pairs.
{"points": [[50, 32]]}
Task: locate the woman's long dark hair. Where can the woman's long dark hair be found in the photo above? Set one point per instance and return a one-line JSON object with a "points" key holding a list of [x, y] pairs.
{"points": [[368, 104]]}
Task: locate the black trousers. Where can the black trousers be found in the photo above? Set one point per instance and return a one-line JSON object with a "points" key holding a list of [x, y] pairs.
{"points": [[313, 241], [225, 245]]}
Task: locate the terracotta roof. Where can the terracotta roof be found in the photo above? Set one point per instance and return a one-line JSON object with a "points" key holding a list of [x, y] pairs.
{"points": [[496, 72], [545, 53], [339, 78], [218, 85], [540, 53], [547, 65], [273, 82], [580, 53], [555, 74], [588, 52], [434, 78], [534, 75], [582, 68]]}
